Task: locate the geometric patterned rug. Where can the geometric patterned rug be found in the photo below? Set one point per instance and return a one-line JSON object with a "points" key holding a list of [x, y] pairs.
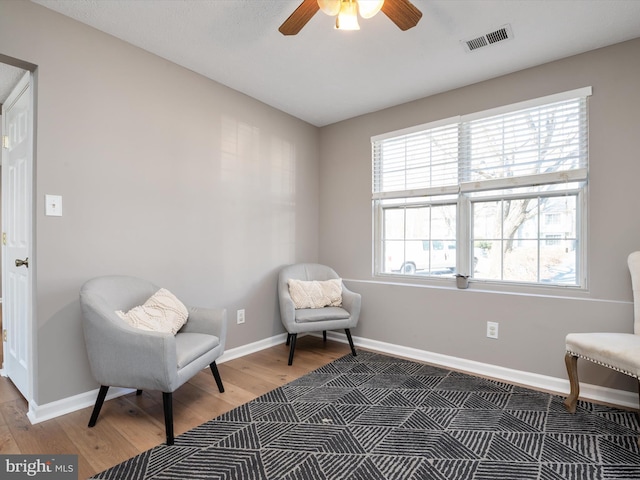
{"points": [[378, 417]]}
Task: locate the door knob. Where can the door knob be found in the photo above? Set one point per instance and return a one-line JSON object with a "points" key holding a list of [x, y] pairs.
{"points": [[20, 263]]}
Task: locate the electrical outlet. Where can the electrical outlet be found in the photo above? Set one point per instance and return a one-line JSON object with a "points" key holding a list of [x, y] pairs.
{"points": [[240, 316], [492, 329]]}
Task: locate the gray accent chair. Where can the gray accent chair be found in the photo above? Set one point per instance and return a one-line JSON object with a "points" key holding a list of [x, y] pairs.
{"points": [[618, 351], [315, 319], [123, 356]]}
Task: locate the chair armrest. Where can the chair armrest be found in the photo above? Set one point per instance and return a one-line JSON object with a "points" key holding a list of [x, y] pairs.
{"points": [[351, 302], [123, 356], [287, 308], [207, 320]]}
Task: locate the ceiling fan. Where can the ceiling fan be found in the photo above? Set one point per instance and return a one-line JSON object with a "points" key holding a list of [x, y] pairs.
{"points": [[401, 12]]}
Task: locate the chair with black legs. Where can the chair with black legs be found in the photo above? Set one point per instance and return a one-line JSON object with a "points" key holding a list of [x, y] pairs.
{"points": [[158, 344], [313, 298]]}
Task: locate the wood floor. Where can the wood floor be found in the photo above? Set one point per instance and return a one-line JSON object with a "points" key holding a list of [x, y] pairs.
{"points": [[129, 425]]}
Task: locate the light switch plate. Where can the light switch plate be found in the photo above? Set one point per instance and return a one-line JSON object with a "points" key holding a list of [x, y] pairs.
{"points": [[53, 205]]}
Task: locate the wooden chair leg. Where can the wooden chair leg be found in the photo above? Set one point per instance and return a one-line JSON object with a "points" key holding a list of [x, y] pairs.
{"points": [[571, 401], [138, 393], [167, 402], [98, 406], [292, 349], [353, 349], [324, 335], [216, 375]]}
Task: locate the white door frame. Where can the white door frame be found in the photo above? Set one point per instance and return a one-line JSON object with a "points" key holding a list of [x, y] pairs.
{"points": [[30, 307]]}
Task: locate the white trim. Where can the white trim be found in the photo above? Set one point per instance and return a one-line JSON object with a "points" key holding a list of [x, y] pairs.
{"points": [[40, 413], [26, 86], [487, 286], [403, 168], [534, 102], [558, 386], [250, 348], [420, 192], [563, 176], [417, 128]]}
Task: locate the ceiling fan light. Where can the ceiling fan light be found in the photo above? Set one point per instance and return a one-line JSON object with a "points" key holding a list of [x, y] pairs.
{"points": [[348, 16], [330, 7], [368, 8]]}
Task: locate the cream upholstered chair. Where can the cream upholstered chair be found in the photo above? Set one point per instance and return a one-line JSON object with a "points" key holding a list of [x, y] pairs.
{"points": [[304, 320], [121, 355], [619, 351]]}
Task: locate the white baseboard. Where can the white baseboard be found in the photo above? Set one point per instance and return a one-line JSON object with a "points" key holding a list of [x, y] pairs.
{"points": [[40, 413], [560, 386], [243, 350]]}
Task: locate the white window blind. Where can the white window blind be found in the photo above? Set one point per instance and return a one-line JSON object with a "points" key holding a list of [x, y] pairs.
{"points": [[539, 145], [543, 141], [417, 164]]}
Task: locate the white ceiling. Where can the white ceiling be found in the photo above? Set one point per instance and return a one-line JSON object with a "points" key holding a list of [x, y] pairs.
{"points": [[323, 76]]}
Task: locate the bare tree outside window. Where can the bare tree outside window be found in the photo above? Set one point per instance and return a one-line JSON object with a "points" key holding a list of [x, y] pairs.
{"points": [[529, 143]]}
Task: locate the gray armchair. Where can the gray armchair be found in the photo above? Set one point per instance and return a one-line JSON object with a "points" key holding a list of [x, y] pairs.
{"points": [[315, 319], [124, 356]]}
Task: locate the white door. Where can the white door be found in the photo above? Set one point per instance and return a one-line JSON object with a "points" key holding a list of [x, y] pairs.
{"points": [[17, 160]]}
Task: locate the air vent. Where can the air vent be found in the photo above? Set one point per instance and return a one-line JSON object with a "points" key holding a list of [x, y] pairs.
{"points": [[501, 34]]}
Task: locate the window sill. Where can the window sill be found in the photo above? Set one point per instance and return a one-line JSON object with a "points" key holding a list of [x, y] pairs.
{"points": [[485, 286]]}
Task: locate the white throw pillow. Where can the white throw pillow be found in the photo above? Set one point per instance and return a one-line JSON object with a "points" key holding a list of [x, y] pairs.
{"points": [[162, 312], [316, 294]]}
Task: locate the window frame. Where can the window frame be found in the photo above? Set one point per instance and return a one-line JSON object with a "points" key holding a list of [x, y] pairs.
{"points": [[463, 198]]}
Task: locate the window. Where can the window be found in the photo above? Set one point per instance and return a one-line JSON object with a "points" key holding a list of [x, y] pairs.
{"points": [[552, 219], [496, 195]]}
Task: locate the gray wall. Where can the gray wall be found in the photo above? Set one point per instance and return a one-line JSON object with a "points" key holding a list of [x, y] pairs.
{"points": [[533, 321], [165, 175], [170, 176], [1, 259]]}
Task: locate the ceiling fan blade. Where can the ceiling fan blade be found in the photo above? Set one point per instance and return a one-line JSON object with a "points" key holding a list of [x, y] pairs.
{"points": [[299, 17], [402, 12]]}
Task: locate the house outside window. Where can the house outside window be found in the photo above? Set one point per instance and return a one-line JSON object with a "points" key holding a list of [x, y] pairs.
{"points": [[553, 239], [496, 195], [552, 219]]}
